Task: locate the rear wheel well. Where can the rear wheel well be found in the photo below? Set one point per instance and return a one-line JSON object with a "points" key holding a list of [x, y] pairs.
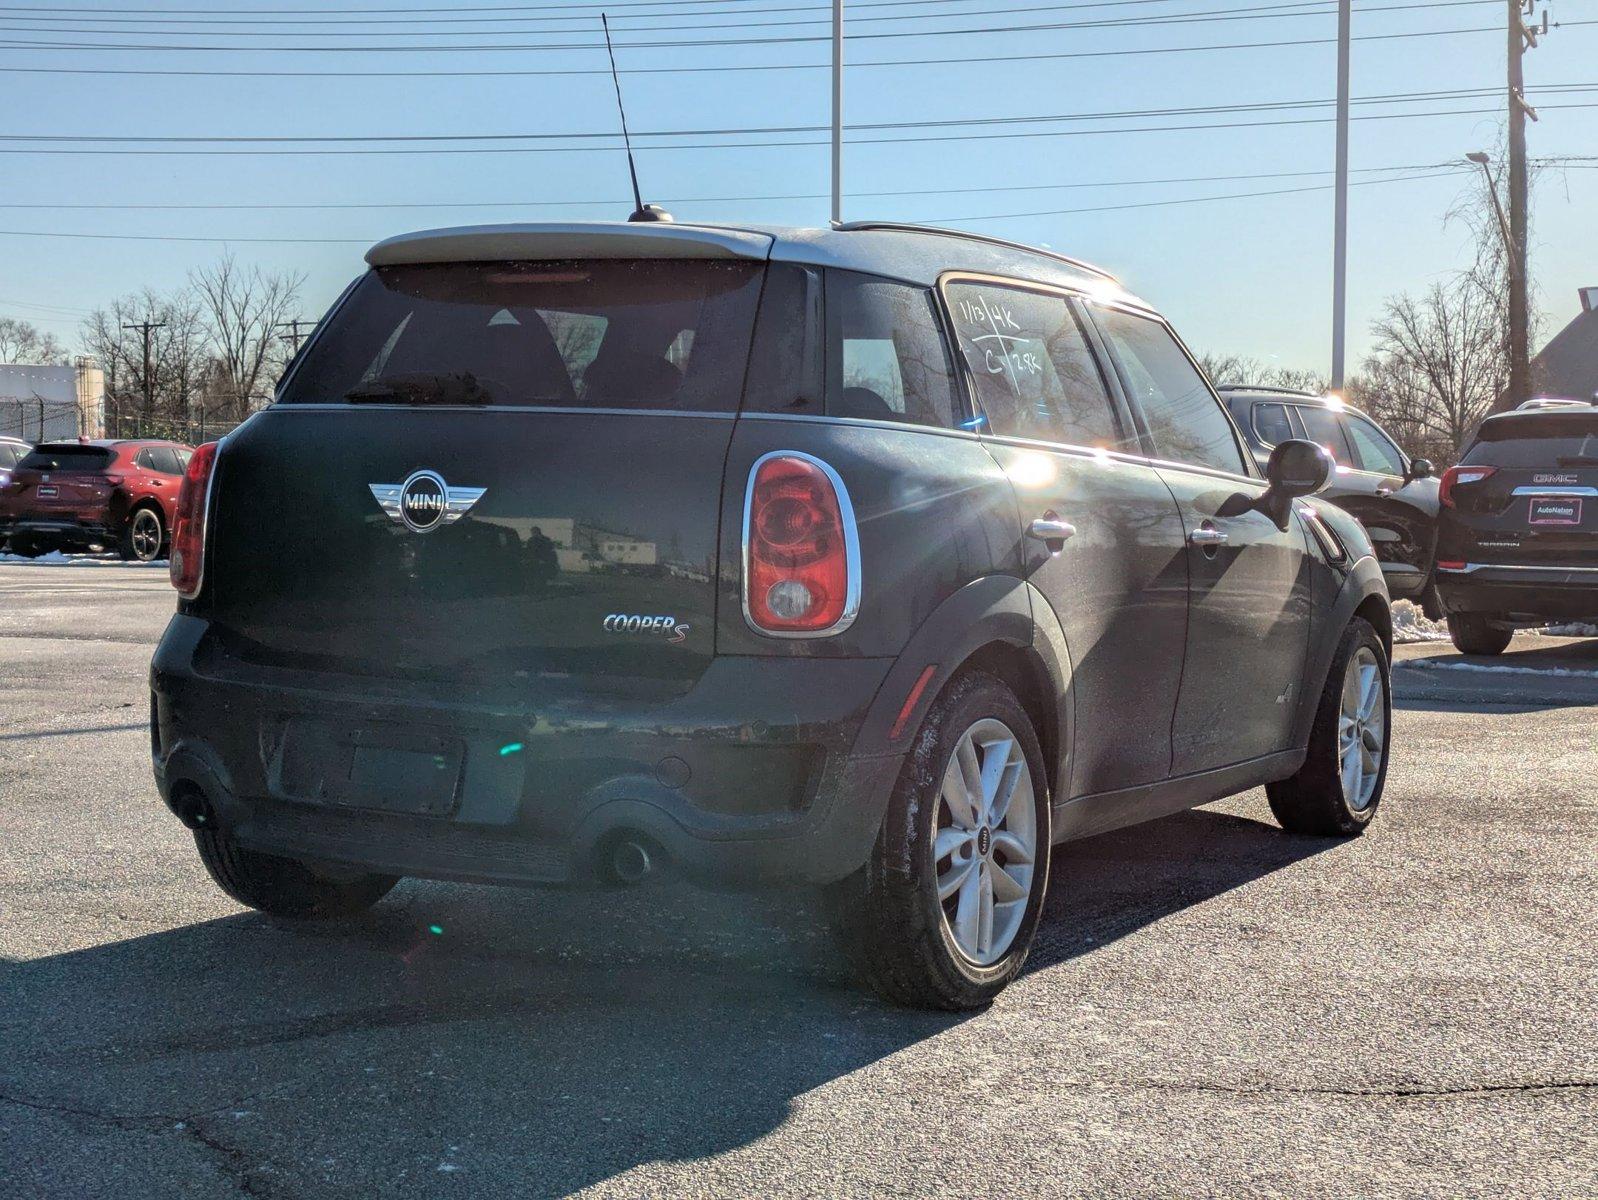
{"points": [[1024, 673], [1380, 617]]}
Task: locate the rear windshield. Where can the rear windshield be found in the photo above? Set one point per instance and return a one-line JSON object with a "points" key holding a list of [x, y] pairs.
{"points": [[66, 458], [1544, 440], [654, 333]]}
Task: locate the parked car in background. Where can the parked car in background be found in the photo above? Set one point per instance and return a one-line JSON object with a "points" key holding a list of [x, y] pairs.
{"points": [[1394, 497], [11, 453], [84, 494], [875, 558], [1518, 543]]}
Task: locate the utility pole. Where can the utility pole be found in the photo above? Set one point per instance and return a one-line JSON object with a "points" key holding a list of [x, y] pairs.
{"points": [[1340, 204], [1521, 36], [293, 337], [837, 111], [144, 327]]}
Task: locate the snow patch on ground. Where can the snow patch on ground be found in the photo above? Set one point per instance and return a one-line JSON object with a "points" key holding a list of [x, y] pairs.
{"points": [[1412, 625], [1433, 664], [1572, 629], [57, 559]]}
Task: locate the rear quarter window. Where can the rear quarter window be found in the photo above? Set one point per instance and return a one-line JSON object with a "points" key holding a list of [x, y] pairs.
{"points": [[646, 334]]}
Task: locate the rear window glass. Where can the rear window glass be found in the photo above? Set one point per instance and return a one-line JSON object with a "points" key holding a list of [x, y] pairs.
{"points": [[1562, 440], [66, 458], [670, 334]]}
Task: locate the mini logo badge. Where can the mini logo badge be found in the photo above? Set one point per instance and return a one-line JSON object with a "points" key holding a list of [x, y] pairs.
{"points": [[424, 501]]}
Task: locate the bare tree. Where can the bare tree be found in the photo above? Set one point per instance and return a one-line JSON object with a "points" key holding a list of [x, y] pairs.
{"points": [[243, 309], [1251, 372], [23, 342], [1438, 362], [177, 361]]}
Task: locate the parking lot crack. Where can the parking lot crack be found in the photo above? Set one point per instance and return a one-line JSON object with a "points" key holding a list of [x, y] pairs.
{"points": [[230, 1159]]}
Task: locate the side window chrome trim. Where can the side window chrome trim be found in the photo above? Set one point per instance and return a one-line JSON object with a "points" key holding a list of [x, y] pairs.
{"points": [[856, 422], [851, 549]]}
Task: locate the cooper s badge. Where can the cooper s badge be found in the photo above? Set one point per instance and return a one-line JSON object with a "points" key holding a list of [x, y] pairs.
{"points": [[424, 501]]}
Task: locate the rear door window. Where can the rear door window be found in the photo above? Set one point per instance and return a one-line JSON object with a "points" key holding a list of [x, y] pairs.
{"points": [[1375, 451], [1187, 422], [1326, 428], [1034, 373], [643, 334], [1272, 424], [890, 361]]}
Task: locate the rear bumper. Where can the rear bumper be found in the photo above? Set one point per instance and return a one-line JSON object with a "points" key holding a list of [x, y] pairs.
{"points": [[751, 778], [61, 530], [1530, 592]]}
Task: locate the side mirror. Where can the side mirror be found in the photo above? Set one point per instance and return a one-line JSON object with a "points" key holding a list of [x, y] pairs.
{"points": [[1296, 468], [1420, 468]]}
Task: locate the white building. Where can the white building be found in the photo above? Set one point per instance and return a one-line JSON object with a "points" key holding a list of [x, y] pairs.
{"points": [[41, 404]]}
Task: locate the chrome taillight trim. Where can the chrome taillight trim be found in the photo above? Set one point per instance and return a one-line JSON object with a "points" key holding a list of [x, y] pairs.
{"points": [[851, 549]]}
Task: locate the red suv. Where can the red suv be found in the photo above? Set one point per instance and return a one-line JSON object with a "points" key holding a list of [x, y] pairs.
{"points": [[83, 494]]}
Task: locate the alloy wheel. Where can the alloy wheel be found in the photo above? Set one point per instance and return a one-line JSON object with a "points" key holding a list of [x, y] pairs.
{"points": [[145, 535], [985, 851], [1361, 729]]}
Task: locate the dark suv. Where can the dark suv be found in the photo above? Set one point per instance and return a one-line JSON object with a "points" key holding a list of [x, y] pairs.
{"points": [[1519, 537], [1394, 496], [875, 558], [83, 494]]}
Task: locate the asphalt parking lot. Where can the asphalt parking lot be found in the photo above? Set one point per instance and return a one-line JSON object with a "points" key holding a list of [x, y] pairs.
{"points": [[1213, 1008]]}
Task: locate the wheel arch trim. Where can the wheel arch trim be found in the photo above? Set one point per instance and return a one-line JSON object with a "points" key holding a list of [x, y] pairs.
{"points": [[993, 615]]}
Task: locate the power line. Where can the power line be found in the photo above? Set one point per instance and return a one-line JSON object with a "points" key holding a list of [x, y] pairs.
{"points": [[608, 200], [1276, 11], [733, 131], [749, 145], [692, 43], [963, 60], [1440, 173]]}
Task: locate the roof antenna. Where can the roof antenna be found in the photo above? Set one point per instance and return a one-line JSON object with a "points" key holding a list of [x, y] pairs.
{"points": [[643, 212]]}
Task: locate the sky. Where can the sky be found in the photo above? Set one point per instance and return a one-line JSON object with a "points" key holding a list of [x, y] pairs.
{"points": [[1239, 274]]}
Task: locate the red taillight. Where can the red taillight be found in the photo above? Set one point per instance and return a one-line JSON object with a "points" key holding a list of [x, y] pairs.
{"points": [[1455, 476], [188, 531], [801, 556]]}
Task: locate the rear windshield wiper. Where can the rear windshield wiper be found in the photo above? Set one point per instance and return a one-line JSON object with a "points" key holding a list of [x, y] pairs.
{"points": [[421, 388]]}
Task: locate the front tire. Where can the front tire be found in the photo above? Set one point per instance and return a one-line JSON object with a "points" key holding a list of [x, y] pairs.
{"points": [[143, 537], [1474, 633], [1336, 791], [285, 887], [944, 912]]}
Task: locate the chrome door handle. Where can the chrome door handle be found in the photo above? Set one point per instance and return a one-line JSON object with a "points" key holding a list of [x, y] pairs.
{"points": [[1208, 535], [1046, 530]]}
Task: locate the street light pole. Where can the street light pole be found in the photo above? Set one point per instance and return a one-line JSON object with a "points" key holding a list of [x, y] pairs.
{"points": [[1340, 204]]}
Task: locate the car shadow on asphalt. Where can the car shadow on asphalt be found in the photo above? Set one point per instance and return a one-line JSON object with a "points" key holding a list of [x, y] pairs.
{"points": [[542, 1041]]}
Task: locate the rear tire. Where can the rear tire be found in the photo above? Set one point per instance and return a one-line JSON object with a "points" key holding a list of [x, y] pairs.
{"points": [[26, 547], [285, 887], [1336, 791], [905, 940], [143, 537], [1474, 633]]}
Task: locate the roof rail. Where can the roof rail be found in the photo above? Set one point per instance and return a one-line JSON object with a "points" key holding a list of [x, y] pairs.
{"points": [[1274, 391], [908, 227]]}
